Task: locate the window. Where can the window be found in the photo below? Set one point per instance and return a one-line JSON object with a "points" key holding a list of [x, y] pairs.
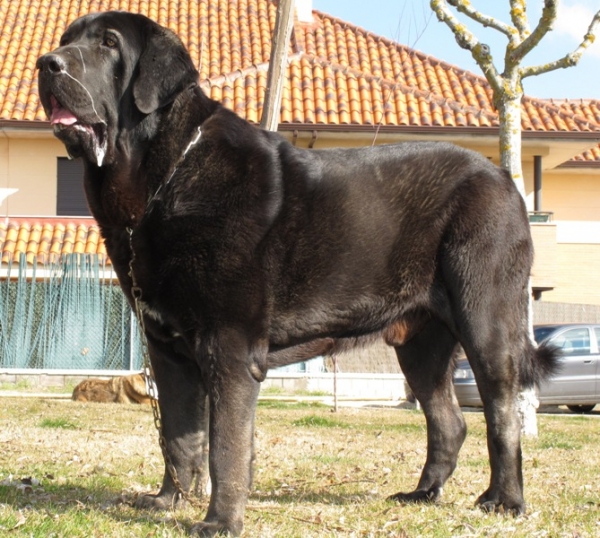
{"points": [[70, 196], [574, 342]]}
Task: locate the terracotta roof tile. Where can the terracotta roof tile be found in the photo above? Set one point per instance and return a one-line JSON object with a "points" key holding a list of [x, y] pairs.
{"points": [[582, 108], [590, 155], [339, 74], [46, 240]]}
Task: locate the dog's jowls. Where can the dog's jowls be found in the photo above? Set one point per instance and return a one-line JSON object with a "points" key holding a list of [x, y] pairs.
{"points": [[252, 253]]}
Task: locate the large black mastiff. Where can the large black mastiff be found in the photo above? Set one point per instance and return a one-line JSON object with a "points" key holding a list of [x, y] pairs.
{"points": [[251, 253]]}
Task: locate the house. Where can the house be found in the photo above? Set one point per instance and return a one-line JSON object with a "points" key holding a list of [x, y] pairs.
{"points": [[344, 86]]}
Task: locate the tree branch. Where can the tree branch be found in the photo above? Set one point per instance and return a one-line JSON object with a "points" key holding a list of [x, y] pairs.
{"points": [[518, 15], [570, 59], [466, 40], [465, 7], [544, 26]]}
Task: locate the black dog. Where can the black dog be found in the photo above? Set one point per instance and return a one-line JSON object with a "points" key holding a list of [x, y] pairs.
{"points": [[250, 253]]}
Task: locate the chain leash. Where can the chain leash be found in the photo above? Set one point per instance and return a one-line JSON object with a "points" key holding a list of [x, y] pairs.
{"points": [[136, 293]]}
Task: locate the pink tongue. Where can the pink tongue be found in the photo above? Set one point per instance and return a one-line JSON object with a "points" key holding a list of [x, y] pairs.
{"points": [[61, 115]]}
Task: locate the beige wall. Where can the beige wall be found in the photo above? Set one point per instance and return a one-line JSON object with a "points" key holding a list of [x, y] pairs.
{"points": [[544, 263], [29, 164], [572, 269], [574, 198], [572, 195], [3, 168], [576, 278]]}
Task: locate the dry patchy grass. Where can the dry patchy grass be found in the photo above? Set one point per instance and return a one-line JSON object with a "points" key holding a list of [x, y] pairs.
{"points": [[318, 474]]}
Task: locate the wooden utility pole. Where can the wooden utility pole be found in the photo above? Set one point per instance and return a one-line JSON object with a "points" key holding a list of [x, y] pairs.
{"points": [[284, 23]]}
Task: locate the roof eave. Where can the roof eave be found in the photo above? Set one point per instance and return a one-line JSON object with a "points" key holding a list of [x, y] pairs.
{"points": [[26, 127], [577, 165], [433, 129], [29, 125]]}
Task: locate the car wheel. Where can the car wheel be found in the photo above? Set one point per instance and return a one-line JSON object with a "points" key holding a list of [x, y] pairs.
{"points": [[579, 409]]}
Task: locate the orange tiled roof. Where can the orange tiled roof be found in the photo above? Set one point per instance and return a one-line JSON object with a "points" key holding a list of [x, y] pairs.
{"points": [[592, 155], [586, 108], [339, 74], [47, 239]]}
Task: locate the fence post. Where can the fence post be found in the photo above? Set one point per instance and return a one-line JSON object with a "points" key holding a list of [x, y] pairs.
{"points": [[335, 392], [132, 322]]}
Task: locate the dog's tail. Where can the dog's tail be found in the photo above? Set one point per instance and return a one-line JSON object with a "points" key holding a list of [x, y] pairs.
{"points": [[541, 363]]}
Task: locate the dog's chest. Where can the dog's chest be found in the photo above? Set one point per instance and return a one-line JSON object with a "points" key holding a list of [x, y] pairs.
{"points": [[158, 286], [142, 267]]}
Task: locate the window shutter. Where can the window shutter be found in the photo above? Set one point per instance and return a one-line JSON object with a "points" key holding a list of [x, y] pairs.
{"points": [[70, 199]]}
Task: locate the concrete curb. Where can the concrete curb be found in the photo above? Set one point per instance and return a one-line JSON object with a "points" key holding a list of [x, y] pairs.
{"points": [[343, 401]]}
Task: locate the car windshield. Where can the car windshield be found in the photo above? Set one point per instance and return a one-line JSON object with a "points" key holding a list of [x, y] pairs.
{"points": [[540, 333]]}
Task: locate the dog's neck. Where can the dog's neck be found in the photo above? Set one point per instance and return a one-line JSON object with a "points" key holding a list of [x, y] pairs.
{"points": [[177, 129], [118, 193]]}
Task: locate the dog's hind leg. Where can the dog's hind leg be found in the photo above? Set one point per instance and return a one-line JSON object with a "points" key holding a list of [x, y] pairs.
{"points": [[485, 264], [426, 361], [184, 417], [497, 347]]}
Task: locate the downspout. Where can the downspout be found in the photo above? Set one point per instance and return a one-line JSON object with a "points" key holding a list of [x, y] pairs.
{"points": [[537, 200], [537, 183]]}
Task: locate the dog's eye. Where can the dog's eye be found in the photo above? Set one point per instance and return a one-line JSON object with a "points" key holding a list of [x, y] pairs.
{"points": [[110, 41]]}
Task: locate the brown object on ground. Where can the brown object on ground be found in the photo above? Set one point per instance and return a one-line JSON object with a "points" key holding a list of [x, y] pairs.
{"points": [[121, 389]]}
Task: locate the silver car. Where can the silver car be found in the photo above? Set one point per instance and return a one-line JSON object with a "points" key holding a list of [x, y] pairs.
{"points": [[577, 384]]}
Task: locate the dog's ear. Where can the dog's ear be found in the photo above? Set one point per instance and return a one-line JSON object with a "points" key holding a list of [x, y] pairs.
{"points": [[165, 69]]}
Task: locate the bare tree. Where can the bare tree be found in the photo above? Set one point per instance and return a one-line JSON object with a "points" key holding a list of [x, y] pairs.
{"points": [[507, 84], [508, 91]]}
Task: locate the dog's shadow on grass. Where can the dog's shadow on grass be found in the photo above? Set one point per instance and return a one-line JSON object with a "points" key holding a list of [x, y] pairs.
{"points": [[62, 501], [309, 496], [108, 502], [56, 498]]}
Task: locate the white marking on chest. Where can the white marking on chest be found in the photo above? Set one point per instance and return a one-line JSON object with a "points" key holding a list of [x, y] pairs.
{"points": [[154, 314], [194, 141]]}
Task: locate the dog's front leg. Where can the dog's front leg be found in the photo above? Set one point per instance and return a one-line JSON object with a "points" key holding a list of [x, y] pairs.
{"points": [[233, 393], [184, 415]]}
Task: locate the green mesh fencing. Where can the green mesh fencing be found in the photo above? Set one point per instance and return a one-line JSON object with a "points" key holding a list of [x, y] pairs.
{"points": [[69, 315]]}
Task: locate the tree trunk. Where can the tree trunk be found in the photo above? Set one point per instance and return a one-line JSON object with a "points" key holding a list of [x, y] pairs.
{"points": [[509, 110]]}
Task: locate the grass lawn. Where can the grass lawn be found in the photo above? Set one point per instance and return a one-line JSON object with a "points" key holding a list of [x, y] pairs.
{"points": [[69, 469]]}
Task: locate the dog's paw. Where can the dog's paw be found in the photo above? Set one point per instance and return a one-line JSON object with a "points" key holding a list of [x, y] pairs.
{"points": [[207, 529], [495, 503], [156, 502], [418, 496]]}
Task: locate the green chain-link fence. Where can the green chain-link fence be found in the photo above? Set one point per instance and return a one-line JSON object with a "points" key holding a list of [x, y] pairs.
{"points": [[70, 315]]}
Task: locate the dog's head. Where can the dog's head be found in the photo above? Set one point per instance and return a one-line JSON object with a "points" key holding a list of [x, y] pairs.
{"points": [[109, 73]]}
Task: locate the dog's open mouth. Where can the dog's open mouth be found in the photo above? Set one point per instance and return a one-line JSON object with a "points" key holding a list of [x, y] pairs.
{"points": [[95, 133]]}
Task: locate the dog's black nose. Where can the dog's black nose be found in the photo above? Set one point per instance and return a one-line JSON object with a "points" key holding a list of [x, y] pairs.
{"points": [[52, 63]]}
